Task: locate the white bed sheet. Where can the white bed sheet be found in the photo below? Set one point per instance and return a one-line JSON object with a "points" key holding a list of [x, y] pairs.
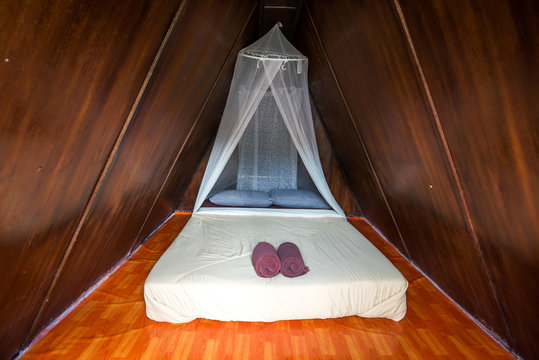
{"points": [[207, 273]]}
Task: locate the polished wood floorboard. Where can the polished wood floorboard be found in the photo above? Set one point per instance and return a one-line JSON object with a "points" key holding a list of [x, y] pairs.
{"points": [[111, 324]]}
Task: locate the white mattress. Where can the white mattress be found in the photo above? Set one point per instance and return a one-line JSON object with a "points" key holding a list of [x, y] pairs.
{"points": [[207, 273]]}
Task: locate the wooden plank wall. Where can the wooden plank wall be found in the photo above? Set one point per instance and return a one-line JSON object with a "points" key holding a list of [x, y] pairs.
{"points": [[479, 60], [82, 159], [284, 11], [337, 182], [431, 111], [347, 143], [202, 131], [443, 97]]}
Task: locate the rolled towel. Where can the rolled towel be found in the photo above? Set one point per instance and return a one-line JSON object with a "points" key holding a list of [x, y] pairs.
{"points": [[265, 260], [292, 264]]}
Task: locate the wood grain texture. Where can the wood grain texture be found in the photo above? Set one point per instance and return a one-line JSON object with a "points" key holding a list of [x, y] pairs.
{"points": [[69, 74], [338, 184], [343, 134], [200, 135], [368, 53], [480, 62], [150, 145], [187, 202], [284, 11], [111, 324]]}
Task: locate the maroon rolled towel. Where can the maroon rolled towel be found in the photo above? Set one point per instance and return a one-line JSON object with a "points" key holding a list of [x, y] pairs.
{"points": [[292, 263], [265, 260]]}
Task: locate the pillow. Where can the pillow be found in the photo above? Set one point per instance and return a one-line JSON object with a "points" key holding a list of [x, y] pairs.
{"points": [[302, 199], [249, 198]]}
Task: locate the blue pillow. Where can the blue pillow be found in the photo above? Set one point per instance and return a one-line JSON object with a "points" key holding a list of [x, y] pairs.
{"points": [[248, 198], [301, 199]]}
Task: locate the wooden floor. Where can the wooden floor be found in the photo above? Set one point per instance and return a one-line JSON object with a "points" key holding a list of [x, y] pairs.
{"points": [[111, 324]]}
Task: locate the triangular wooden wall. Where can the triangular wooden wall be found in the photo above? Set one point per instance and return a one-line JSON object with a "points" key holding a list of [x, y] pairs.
{"points": [[428, 128], [437, 101]]}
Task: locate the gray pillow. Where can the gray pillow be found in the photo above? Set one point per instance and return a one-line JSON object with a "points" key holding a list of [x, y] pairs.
{"points": [[301, 199], [248, 198]]}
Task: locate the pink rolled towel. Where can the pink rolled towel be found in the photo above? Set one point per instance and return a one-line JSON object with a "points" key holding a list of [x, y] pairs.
{"points": [[265, 260], [292, 263]]}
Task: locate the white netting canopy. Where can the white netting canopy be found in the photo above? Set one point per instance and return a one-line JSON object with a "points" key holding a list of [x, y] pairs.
{"points": [[266, 124]]}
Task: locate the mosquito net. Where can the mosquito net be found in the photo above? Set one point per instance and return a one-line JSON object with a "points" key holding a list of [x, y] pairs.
{"points": [[266, 137]]}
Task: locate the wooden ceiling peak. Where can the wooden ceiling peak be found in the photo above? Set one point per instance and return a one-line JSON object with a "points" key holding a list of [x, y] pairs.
{"points": [[284, 11]]}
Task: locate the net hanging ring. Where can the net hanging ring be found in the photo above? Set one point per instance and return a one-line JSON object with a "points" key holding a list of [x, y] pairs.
{"points": [[258, 64], [282, 67]]}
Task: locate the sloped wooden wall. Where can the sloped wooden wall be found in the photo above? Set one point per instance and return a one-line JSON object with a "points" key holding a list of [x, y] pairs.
{"points": [[107, 109], [439, 99], [90, 130]]}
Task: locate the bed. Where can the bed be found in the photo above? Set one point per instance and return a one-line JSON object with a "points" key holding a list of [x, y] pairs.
{"points": [[207, 270]]}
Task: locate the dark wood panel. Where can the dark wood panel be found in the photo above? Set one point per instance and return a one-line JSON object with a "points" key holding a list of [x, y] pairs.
{"points": [[69, 74], [284, 11], [198, 141], [480, 62], [285, 16], [193, 58], [335, 178], [342, 133], [187, 202], [369, 56]]}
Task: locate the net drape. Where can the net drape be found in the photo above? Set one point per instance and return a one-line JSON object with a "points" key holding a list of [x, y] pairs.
{"points": [[273, 64], [267, 156]]}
